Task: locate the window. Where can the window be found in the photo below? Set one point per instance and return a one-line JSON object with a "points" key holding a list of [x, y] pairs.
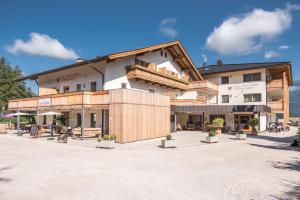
{"points": [[225, 98], [66, 89], [124, 85], [252, 77], [252, 97], [151, 90], [161, 53], [78, 119], [78, 87], [225, 80], [166, 55], [93, 120], [44, 120], [93, 86]]}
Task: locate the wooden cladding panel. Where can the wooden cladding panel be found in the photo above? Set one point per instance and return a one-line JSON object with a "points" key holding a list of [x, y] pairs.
{"points": [[137, 115], [162, 78], [63, 100], [286, 98], [47, 91]]}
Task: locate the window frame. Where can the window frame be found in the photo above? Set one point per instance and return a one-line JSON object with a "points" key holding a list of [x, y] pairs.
{"points": [[251, 77], [78, 84], [223, 78], [91, 84], [225, 95], [252, 96]]}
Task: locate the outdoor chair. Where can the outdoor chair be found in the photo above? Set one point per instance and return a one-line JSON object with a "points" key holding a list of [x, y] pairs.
{"points": [[62, 138]]}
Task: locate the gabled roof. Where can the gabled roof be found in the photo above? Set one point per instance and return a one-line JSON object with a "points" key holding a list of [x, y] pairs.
{"points": [[175, 48], [215, 69]]}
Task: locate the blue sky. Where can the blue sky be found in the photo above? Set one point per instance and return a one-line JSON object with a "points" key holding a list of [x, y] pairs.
{"points": [[52, 33]]}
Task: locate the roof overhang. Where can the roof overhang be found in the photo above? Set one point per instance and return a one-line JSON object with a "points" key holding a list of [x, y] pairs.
{"points": [[199, 109], [175, 48]]}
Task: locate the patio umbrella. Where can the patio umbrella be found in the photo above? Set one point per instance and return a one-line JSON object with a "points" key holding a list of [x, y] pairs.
{"points": [[18, 114], [51, 113]]}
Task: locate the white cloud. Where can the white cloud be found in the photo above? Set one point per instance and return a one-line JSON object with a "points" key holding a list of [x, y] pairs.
{"points": [[204, 57], [271, 54], [284, 47], [293, 88], [248, 33], [166, 27], [42, 45]]}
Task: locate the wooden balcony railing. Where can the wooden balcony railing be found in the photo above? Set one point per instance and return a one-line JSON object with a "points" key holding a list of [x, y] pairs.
{"points": [[205, 85], [155, 76], [185, 102], [276, 84], [276, 105], [70, 99]]}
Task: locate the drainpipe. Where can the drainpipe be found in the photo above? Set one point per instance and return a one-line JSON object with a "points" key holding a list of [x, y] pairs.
{"points": [[102, 111]]}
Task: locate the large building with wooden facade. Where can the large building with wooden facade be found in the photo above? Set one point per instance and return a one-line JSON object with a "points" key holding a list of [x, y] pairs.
{"points": [[144, 93]]}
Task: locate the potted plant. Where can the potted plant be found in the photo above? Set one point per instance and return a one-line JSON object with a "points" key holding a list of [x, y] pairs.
{"points": [[241, 135], [212, 137], [107, 141], [296, 142], [60, 123], [253, 122], [218, 123], [168, 142]]}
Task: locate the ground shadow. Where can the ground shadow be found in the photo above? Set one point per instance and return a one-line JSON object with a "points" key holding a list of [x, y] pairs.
{"points": [[288, 139], [292, 192], [3, 179], [293, 165], [284, 147]]}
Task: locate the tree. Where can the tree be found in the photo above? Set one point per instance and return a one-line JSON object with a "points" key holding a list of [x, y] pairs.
{"points": [[9, 87]]}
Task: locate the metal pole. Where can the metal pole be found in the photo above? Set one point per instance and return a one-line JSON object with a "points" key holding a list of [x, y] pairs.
{"points": [[82, 117], [82, 123], [18, 123], [175, 122]]}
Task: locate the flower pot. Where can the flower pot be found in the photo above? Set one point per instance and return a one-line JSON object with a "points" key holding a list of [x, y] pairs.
{"points": [[212, 139], [168, 143], [241, 136], [107, 144]]}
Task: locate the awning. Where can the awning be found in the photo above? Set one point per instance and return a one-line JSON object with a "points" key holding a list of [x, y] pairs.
{"points": [[220, 108]]}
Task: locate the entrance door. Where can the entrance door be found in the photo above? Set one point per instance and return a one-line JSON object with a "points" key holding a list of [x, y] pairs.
{"points": [[243, 121]]}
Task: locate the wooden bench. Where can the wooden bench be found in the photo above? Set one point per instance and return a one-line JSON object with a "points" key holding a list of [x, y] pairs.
{"points": [[88, 132]]}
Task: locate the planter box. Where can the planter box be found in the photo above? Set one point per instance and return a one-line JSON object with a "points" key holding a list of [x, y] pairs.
{"points": [[107, 144], [168, 143], [241, 136], [213, 139]]}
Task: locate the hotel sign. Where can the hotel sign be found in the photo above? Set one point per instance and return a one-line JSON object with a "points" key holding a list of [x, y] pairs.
{"points": [[44, 102]]}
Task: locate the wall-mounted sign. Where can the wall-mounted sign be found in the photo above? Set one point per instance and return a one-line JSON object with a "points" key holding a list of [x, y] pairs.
{"points": [[44, 102]]}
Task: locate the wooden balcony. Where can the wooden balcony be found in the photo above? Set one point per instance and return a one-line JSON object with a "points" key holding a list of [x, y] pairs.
{"points": [[276, 105], [74, 100], [275, 85], [187, 102], [150, 74], [204, 86]]}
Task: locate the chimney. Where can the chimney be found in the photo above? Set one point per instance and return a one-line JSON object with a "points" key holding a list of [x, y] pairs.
{"points": [[78, 60], [219, 62]]}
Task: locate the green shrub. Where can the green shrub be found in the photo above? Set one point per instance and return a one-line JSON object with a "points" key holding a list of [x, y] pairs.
{"points": [[112, 137], [241, 132], [218, 123], [212, 133], [105, 137], [168, 137]]}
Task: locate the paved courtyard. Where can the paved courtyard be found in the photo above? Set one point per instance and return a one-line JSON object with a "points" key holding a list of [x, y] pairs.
{"points": [[262, 167]]}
